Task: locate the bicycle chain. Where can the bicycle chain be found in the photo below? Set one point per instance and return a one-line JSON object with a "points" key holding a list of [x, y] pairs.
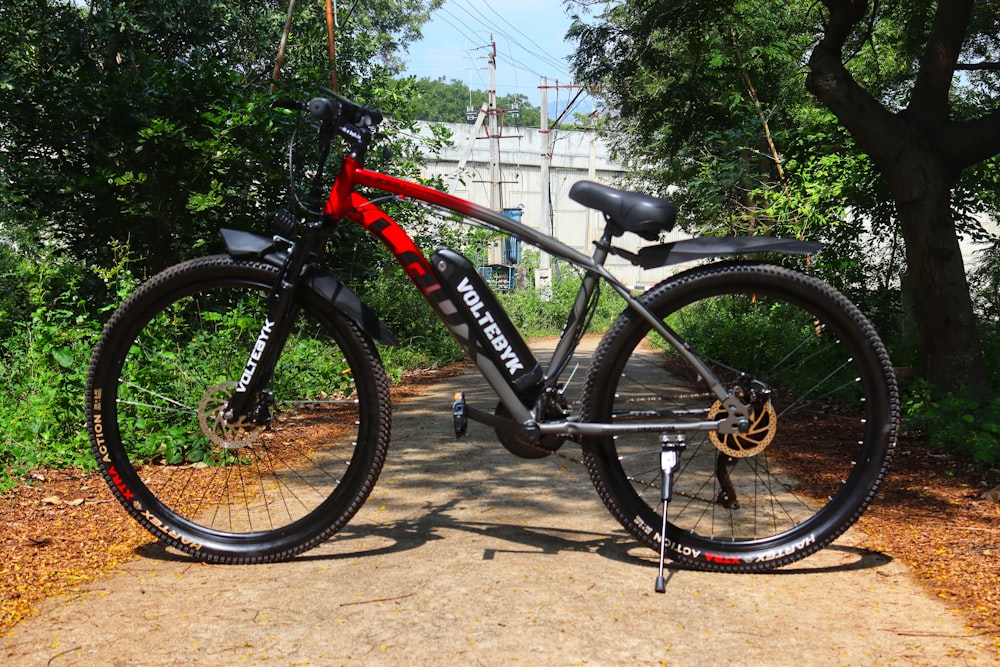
{"points": [[549, 452]]}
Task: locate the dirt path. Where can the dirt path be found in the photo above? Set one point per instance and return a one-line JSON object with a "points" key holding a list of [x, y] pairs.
{"points": [[465, 554]]}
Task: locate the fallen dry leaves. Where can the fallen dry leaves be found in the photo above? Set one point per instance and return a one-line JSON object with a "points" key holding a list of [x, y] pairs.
{"points": [[932, 516], [59, 530]]}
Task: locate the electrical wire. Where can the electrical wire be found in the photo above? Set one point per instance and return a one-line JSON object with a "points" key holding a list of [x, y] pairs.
{"points": [[476, 17]]}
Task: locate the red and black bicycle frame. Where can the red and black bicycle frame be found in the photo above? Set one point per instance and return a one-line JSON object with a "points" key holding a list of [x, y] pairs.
{"points": [[430, 279], [461, 299]]}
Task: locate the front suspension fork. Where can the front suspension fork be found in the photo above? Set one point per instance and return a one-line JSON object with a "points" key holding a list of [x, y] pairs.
{"points": [[249, 399]]}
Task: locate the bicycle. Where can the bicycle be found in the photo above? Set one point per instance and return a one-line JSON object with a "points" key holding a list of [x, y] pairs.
{"points": [[744, 410]]}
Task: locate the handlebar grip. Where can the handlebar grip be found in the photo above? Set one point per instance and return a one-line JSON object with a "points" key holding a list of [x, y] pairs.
{"points": [[324, 108], [288, 104], [339, 109], [374, 116]]}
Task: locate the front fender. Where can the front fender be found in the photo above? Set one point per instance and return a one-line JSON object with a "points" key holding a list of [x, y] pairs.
{"points": [[705, 247], [242, 244]]}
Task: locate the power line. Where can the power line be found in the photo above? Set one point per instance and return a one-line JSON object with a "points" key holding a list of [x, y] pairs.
{"points": [[543, 55], [538, 52], [518, 52]]}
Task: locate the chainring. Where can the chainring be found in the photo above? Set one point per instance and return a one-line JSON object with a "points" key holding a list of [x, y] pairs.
{"points": [[228, 435], [763, 426], [547, 444]]}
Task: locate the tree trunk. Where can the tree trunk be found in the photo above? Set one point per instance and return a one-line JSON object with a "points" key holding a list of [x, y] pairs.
{"points": [[921, 151], [950, 352]]}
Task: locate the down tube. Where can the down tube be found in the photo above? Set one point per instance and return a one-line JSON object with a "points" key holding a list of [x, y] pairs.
{"points": [[385, 229]]}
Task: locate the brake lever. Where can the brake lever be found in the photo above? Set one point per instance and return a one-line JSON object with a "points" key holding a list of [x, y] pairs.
{"points": [[292, 105], [317, 192]]}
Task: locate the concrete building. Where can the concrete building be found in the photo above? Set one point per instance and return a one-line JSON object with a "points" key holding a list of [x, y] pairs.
{"points": [[575, 156]]}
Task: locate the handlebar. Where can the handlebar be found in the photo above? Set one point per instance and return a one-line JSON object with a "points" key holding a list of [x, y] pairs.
{"points": [[338, 116], [340, 110], [336, 108]]}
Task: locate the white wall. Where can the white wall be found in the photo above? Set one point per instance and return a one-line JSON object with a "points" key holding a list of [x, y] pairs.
{"points": [[575, 156]]}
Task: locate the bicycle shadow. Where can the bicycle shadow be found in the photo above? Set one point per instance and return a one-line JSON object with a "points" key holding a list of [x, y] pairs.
{"points": [[368, 540]]}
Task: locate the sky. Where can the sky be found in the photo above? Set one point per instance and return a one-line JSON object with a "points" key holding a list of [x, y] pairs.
{"points": [[529, 41]]}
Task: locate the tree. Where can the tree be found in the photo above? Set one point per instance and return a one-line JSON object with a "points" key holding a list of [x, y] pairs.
{"points": [[149, 123], [448, 101], [104, 108], [922, 148], [129, 132], [713, 96]]}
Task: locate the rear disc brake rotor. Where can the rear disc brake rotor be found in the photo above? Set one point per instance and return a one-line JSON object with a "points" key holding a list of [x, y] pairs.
{"points": [[763, 426]]}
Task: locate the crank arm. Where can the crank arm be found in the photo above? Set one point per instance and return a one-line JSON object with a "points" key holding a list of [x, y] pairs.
{"points": [[529, 432]]}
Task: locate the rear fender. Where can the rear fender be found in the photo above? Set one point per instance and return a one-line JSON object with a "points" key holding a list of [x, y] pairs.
{"points": [[706, 247], [241, 244]]}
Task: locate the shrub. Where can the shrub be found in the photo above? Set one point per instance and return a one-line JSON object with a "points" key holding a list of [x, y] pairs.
{"points": [[966, 422], [534, 317]]}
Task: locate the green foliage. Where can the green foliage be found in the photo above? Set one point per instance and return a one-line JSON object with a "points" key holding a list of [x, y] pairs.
{"points": [[45, 358], [182, 343], [147, 126], [966, 422], [679, 79], [984, 283], [448, 101], [151, 123], [709, 101], [424, 341], [760, 332], [534, 317]]}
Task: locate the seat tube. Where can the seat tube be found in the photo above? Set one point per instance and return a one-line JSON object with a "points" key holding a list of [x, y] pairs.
{"points": [[578, 314]]}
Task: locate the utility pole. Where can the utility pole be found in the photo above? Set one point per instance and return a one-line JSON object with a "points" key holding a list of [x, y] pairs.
{"points": [[494, 134], [543, 277], [592, 175]]}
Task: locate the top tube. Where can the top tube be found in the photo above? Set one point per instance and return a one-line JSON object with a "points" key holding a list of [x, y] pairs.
{"points": [[353, 174]]}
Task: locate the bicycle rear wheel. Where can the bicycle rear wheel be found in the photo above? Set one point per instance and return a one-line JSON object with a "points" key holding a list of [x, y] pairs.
{"points": [[822, 429], [169, 359]]}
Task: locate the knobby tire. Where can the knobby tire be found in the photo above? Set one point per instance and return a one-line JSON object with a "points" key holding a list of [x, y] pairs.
{"points": [[804, 473], [164, 365]]}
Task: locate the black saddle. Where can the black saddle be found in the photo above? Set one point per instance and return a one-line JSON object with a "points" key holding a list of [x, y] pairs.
{"points": [[627, 211]]}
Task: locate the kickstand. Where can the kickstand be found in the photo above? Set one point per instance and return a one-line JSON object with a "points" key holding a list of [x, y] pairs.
{"points": [[669, 457]]}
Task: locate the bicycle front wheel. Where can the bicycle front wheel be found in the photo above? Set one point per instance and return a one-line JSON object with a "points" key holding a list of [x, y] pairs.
{"points": [[166, 363], [822, 425]]}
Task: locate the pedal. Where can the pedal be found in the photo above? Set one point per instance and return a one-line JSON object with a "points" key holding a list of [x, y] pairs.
{"points": [[459, 415]]}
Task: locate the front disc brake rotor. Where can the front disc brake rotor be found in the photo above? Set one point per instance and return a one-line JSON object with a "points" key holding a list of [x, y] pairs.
{"points": [[763, 426], [228, 435]]}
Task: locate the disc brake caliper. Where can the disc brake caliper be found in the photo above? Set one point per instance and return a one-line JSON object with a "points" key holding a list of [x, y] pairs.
{"points": [[756, 428], [747, 426]]}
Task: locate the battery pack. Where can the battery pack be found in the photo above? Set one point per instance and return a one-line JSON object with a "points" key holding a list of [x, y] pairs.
{"points": [[490, 328]]}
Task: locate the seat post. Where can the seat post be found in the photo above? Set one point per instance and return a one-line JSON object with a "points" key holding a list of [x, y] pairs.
{"points": [[602, 247]]}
